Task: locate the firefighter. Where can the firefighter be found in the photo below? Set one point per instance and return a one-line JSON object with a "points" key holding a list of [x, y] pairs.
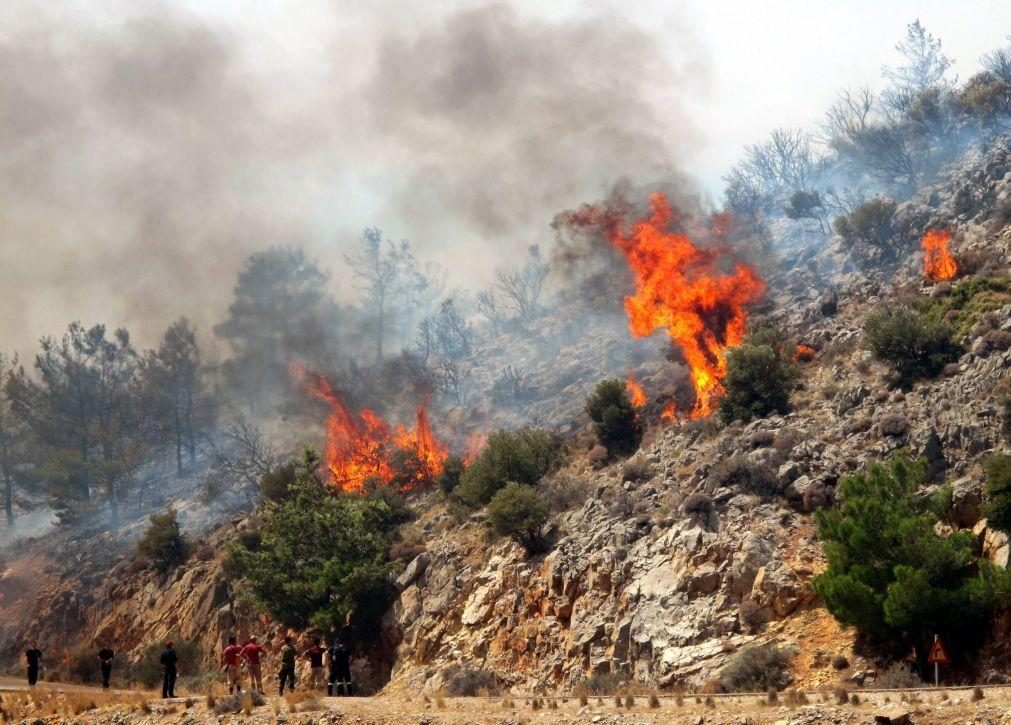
{"points": [[231, 656], [339, 661]]}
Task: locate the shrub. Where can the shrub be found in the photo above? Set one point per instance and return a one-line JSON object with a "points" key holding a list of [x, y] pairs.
{"points": [[520, 512], [523, 456], [637, 469], [897, 677], [163, 544], [597, 456], [759, 667], [759, 378], [997, 508], [602, 683], [742, 473], [891, 575], [274, 485], [564, 491], [913, 345], [698, 504], [839, 662], [615, 421], [463, 681], [405, 551], [449, 478], [241, 703], [321, 555], [869, 225]]}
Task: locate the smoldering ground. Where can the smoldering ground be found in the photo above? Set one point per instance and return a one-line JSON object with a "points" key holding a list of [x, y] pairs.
{"points": [[146, 150]]}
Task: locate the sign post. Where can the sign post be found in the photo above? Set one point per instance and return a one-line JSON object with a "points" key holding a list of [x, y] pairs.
{"points": [[938, 656]]}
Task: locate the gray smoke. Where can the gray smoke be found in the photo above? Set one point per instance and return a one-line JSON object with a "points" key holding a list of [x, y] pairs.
{"points": [[146, 150]]}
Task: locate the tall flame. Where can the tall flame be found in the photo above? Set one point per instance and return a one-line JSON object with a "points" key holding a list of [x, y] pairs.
{"points": [[360, 447], [938, 264], [680, 288], [635, 391]]}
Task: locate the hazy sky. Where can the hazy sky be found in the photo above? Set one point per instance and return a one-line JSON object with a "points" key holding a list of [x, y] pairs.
{"points": [[147, 148]]}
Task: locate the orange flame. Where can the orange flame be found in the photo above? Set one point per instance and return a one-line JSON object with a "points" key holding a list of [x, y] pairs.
{"points": [[359, 447], [670, 412], [475, 442], [635, 391], [680, 288], [804, 353], [938, 264]]}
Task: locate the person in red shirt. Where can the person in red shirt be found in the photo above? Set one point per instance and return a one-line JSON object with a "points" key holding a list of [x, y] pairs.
{"points": [[252, 653], [315, 656], [230, 658]]}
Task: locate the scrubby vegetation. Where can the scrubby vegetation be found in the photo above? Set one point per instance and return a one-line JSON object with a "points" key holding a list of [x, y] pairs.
{"points": [[164, 544], [760, 376], [869, 225], [522, 456], [320, 555], [997, 507], [520, 511], [615, 421], [966, 303], [757, 668], [914, 345], [892, 575]]}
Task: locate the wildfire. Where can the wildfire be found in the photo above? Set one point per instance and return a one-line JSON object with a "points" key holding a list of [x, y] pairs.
{"points": [[938, 264], [804, 353], [680, 288], [635, 391], [361, 446], [670, 412]]}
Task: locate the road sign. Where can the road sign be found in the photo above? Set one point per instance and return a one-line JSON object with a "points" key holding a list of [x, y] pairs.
{"points": [[938, 654]]}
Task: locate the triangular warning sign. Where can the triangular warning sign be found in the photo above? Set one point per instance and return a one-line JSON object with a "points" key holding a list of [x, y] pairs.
{"points": [[938, 655]]}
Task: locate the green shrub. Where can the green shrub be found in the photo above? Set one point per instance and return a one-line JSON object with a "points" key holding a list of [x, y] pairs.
{"points": [[912, 344], [520, 512], [163, 544], [997, 508], [890, 573], [616, 423], [322, 554], [758, 667], [452, 470], [870, 224], [522, 456], [759, 378], [147, 670], [967, 302]]}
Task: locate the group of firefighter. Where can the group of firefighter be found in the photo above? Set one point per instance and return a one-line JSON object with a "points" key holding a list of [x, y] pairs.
{"points": [[330, 666]]}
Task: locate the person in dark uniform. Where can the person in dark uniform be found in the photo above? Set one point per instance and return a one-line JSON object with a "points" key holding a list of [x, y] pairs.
{"points": [[169, 663], [34, 659], [339, 661], [105, 656]]}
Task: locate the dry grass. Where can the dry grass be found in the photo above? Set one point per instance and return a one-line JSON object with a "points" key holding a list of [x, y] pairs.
{"points": [[303, 701], [654, 701]]}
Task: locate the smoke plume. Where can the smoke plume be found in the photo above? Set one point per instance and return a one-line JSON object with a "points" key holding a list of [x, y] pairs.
{"points": [[146, 150]]}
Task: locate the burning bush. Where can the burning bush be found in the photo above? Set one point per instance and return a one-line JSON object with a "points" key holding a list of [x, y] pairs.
{"points": [[938, 264], [759, 378], [363, 447], [523, 456], [163, 544], [913, 345], [615, 421], [520, 512]]}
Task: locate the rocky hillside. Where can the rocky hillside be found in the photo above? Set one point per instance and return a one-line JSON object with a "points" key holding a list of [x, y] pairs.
{"points": [[662, 567]]}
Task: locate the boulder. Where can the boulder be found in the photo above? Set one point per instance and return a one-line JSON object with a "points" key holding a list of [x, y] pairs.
{"points": [[894, 715]]}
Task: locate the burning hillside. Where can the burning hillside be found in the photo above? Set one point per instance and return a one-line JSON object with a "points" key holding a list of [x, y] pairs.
{"points": [[363, 449], [680, 288], [938, 264]]}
